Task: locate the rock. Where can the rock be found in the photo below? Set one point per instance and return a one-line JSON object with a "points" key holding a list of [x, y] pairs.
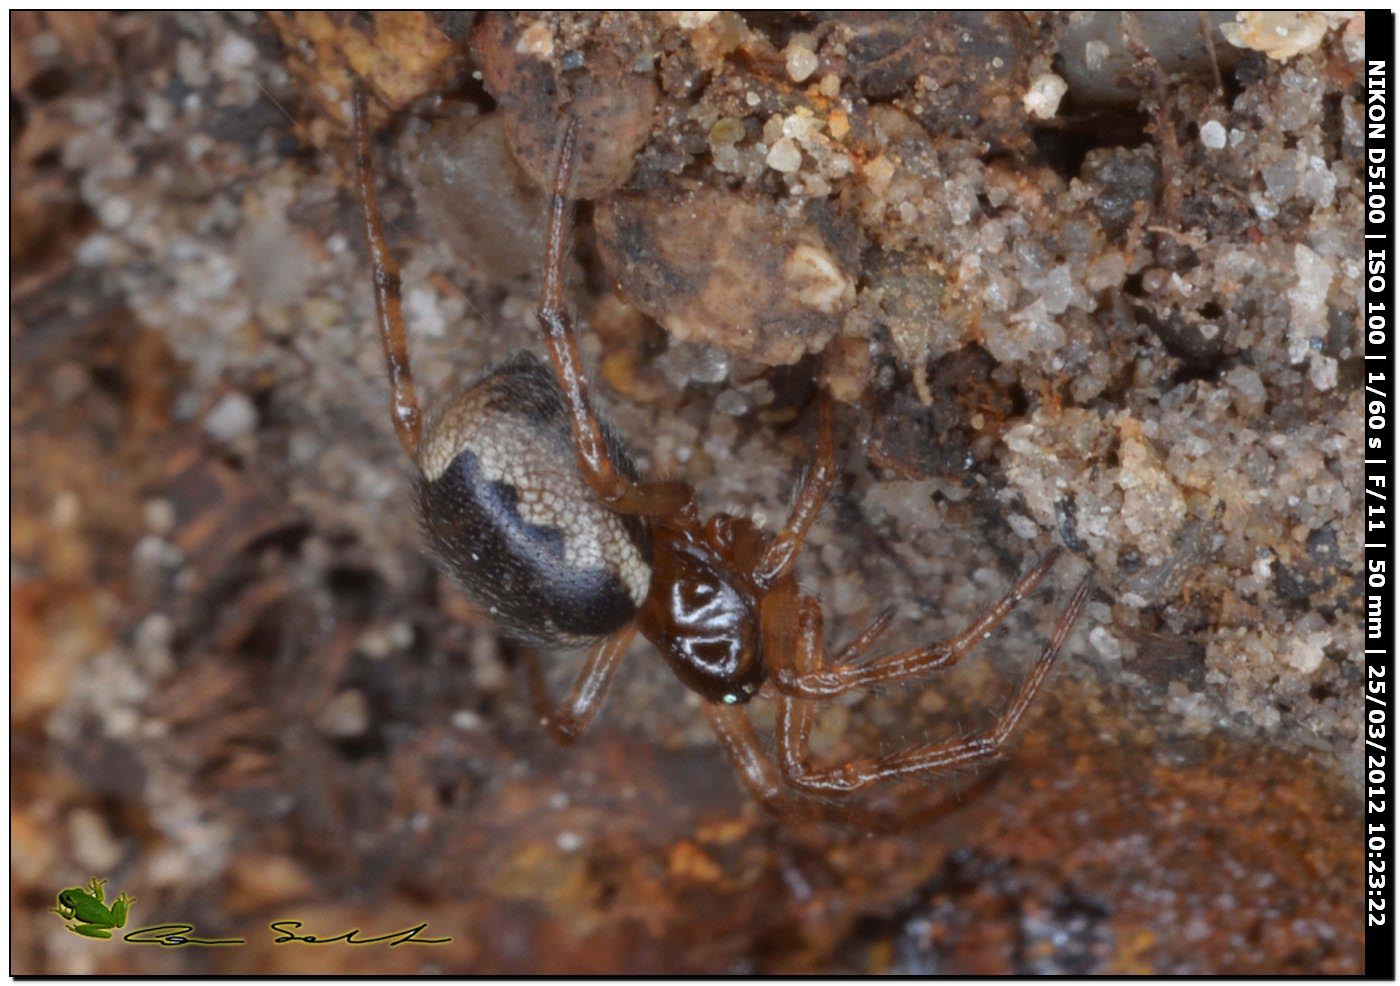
{"points": [[233, 418], [1277, 33], [969, 69], [400, 55], [1097, 61], [733, 272], [535, 89]]}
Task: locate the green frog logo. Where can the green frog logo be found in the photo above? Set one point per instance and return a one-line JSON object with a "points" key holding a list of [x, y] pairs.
{"points": [[86, 906]]}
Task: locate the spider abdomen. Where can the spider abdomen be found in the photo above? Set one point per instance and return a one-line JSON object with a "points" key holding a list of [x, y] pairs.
{"points": [[506, 510]]}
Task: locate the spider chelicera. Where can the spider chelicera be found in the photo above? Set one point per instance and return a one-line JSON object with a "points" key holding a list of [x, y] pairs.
{"points": [[532, 502]]}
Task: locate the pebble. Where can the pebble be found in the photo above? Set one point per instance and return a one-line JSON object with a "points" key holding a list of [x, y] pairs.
{"points": [[66, 511], [694, 19], [189, 62], [801, 62], [95, 251], [155, 632], [234, 417], [345, 716], [1322, 371], [1042, 101], [1306, 653], [114, 212], [784, 156], [732, 402], [401, 634], [1213, 134], [1279, 34], [1308, 297], [727, 131], [1096, 53], [159, 516], [1105, 643], [92, 842], [466, 720], [1023, 526], [235, 54], [154, 553], [569, 841]]}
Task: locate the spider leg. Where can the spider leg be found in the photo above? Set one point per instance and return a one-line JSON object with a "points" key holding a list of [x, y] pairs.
{"points": [[796, 636], [781, 621], [567, 721], [844, 675], [617, 491], [795, 716], [388, 292], [782, 551], [763, 781]]}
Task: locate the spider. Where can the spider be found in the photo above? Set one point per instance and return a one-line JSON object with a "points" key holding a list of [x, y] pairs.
{"points": [[531, 501]]}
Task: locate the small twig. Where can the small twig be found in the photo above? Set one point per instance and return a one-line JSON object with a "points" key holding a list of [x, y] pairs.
{"points": [[1208, 33], [1187, 238]]}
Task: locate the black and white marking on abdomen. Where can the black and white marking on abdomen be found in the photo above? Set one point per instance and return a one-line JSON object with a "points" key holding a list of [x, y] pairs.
{"points": [[504, 505]]}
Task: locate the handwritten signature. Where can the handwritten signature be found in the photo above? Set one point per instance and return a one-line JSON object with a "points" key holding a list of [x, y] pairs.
{"points": [[178, 935], [394, 938], [174, 935]]}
